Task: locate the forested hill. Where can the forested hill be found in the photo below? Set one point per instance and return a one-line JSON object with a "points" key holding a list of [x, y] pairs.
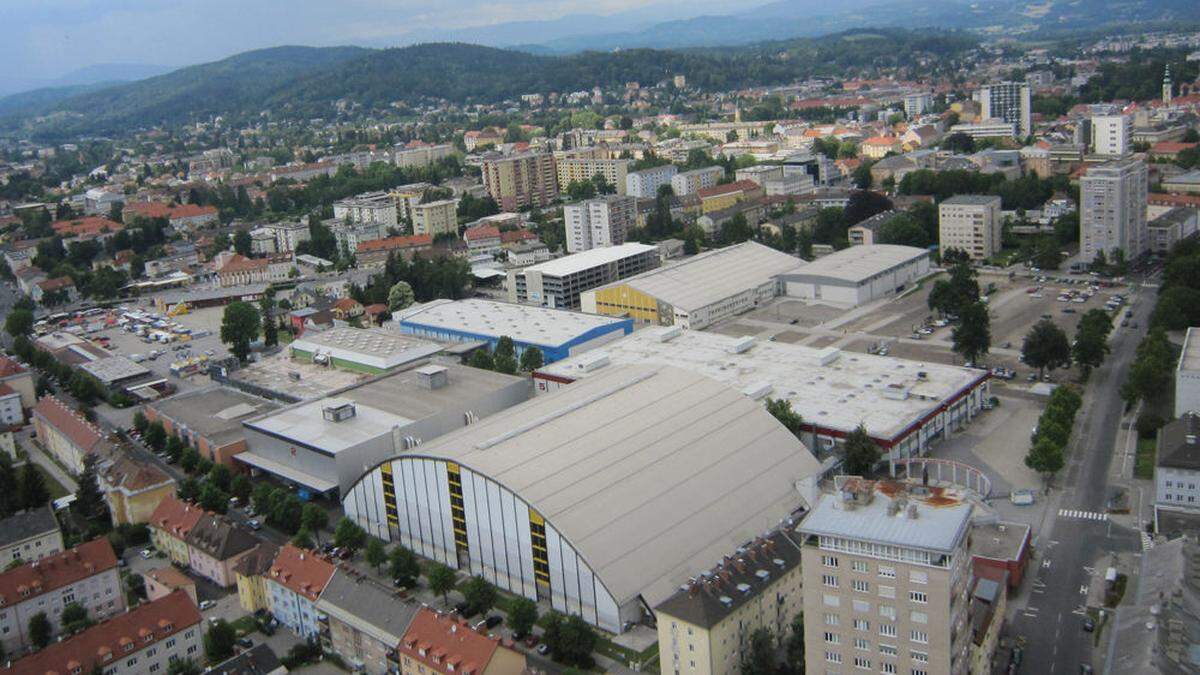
{"points": [[301, 82]]}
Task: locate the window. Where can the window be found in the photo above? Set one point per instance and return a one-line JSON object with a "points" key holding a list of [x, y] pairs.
{"points": [[888, 650], [862, 644], [887, 667], [887, 629], [154, 668], [170, 643], [833, 638], [887, 612], [831, 619], [916, 671], [829, 580], [918, 577], [832, 600], [862, 606], [887, 591], [833, 657], [920, 637], [919, 617], [191, 649], [860, 585], [829, 561], [918, 596], [860, 662], [862, 624], [858, 566], [131, 662]]}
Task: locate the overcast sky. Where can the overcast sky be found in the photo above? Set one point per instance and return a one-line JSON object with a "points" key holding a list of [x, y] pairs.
{"points": [[48, 38]]}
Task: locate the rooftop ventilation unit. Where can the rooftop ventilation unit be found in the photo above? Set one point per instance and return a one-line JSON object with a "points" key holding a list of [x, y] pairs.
{"points": [[339, 411], [670, 333], [592, 361], [433, 376], [896, 392], [757, 390], [828, 355], [741, 345], [726, 600]]}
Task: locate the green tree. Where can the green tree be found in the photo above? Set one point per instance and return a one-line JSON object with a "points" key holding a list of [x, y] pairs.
{"points": [[155, 436], [89, 500], [571, 640], [859, 452], [759, 659], [1045, 457], [531, 359], [241, 242], [239, 327], [522, 615], [781, 409], [441, 580], [303, 538], [174, 448], [188, 490], [348, 535], [794, 645], [220, 476], [40, 630], [504, 359], [479, 595], [32, 487], [972, 336], [1046, 346], [19, 322], [1091, 340], [75, 618], [314, 518], [140, 422], [189, 459], [481, 358], [241, 487], [219, 641], [183, 667], [403, 567], [213, 498], [270, 329], [400, 296], [1150, 376], [376, 553]]}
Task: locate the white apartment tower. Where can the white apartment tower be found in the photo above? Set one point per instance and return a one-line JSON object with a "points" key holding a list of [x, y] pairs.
{"points": [[1113, 210], [887, 579], [1111, 134], [645, 183], [599, 222], [1008, 101], [970, 223]]}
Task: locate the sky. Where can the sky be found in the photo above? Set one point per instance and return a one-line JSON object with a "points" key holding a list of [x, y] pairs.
{"points": [[45, 39]]}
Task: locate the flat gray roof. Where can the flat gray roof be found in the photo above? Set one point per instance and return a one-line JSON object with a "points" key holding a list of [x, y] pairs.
{"points": [[305, 424], [586, 260], [651, 472], [373, 347], [936, 527], [713, 276], [522, 323], [1189, 358], [971, 200], [114, 369], [214, 412], [367, 605], [857, 264]]}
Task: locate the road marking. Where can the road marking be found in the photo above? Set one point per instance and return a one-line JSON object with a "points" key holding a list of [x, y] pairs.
{"points": [[1147, 541], [1081, 611], [1082, 515], [1046, 563], [1089, 570], [1083, 590]]}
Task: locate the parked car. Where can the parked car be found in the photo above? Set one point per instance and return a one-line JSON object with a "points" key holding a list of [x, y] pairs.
{"points": [[254, 524], [493, 621], [1089, 625], [146, 554], [207, 604], [543, 649], [245, 642]]}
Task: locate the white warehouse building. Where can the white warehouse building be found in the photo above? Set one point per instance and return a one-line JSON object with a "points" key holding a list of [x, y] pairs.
{"points": [[602, 498], [859, 274]]}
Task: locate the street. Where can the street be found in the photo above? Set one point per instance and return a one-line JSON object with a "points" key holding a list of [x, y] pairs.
{"points": [[1078, 537]]}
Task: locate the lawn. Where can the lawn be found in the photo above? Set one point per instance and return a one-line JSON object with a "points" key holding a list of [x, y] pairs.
{"points": [[1143, 465]]}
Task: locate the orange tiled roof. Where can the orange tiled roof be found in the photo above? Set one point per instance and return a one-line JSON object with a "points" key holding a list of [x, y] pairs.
{"points": [[175, 516], [88, 226], [56, 571], [69, 422], [728, 188], [482, 232], [301, 571], [446, 644], [9, 367], [391, 243]]}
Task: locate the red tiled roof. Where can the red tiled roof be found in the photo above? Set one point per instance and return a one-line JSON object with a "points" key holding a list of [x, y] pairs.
{"points": [[128, 474], [56, 571], [9, 367], [69, 422], [175, 516], [56, 284], [5, 390], [728, 188], [148, 209], [446, 643], [192, 210], [882, 140], [391, 243], [1171, 147], [482, 232], [170, 577], [514, 236], [86, 226], [103, 644], [240, 263], [346, 304], [377, 308], [301, 571], [1163, 199]]}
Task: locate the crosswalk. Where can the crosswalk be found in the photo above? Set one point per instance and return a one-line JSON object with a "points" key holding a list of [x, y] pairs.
{"points": [[1147, 541], [1082, 515]]}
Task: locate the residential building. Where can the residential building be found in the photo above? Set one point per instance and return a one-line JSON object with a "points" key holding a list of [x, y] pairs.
{"points": [[857, 275], [262, 242], [916, 105], [1170, 228], [132, 489], [1177, 478], [406, 197], [688, 182], [878, 147], [887, 578], [527, 179], [554, 332], [165, 580], [987, 128], [989, 600], [375, 208], [87, 227], [63, 287], [147, 639], [1008, 101], [1182, 183], [295, 582], [776, 180], [86, 574], [703, 627], [558, 283], [1187, 374], [600, 222], [582, 165], [376, 252], [288, 235], [20, 379], [1111, 134], [434, 218], [483, 240], [11, 412], [644, 184], [215, 545], [238, 270], [170, 525], [725, 470], [698, 291], [866, 233], [350, 235], [970, 223], [251, 574], [1113, 210], [424, 155], [210, 419], [446, 644], [31, 534], [65, 434], [363, 622], [720, 197]]}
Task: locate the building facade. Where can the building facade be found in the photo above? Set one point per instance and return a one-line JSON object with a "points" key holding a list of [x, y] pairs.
{"points": [[132, 489], [1187, 374], [527, 179], [251, 574], [29, 535], [1111, 134], [599, 222], [970, 223], [374, 207], [363, 622], [295, 581], [1113, 211], [1008, 101], [1177, 478], [170, 525], [65, 434], [644, 184], [215, 545], [434, 218], [558, 283], [693, 181]]}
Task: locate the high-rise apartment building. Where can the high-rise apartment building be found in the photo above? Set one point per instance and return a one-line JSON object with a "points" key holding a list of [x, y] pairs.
{"points": [[915, 105], [599, 222], [690, 181], [583, 165], [373, 208], [437, 217], [1112, 215], [645, 183], [887, 579], [558, 283], [1111, 134], [521, 180], [970, 223], [1008, 101]]}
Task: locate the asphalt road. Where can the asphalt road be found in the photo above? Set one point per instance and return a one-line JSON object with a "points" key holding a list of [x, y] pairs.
{"points": [[1073, 548]]}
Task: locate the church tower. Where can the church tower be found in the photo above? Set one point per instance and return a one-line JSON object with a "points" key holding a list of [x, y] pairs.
{"points": [[1166, 92]]}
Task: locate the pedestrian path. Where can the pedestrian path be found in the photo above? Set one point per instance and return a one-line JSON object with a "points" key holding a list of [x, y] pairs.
{"points": [[1081, 515]]}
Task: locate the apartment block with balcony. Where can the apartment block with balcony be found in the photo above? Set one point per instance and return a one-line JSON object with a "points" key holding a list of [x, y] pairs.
{"points": [[596, 223], [295, 582], [887, 579], [1112, 212], [436, 217], [528, 179], [373, 207], [970, 223], [363, 622]]}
